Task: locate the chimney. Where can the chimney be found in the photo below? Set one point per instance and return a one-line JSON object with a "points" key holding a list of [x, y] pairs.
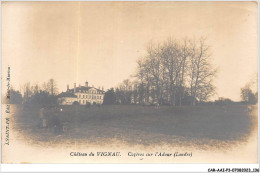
{"points": [[74, 87], [86, 84], [102, 88], [68, 87], [99, 87], [79, 85]]}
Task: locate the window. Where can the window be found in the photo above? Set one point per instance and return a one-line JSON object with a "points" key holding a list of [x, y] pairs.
{"points": [[79, 101], [83, 101]]}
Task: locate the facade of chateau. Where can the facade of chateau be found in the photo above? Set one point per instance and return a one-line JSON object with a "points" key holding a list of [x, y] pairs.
{"points": [[82, 94]]}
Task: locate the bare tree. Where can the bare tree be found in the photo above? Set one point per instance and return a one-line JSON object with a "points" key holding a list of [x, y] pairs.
{"points": [[45, 87], [141, 79], [247, 95], [174, 67], [184, 56], [27, 90], [52, 87], [201, 71], [155, 65], [173, 63]]}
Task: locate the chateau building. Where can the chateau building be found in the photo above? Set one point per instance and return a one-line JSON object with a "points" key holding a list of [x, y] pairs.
{"points": [[82, 94]]}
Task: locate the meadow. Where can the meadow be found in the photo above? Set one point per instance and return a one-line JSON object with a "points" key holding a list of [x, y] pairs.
{"points": [[135, 124]]}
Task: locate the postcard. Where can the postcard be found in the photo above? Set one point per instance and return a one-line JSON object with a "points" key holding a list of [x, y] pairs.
{"points": [[129, 82]]}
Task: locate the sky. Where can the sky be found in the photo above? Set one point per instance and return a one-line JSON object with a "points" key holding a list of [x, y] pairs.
{"points": [[99, 42]]}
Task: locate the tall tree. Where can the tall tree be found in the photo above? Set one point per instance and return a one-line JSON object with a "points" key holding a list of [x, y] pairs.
{"points": [[15, 97], [202, 71], [247, 94], [52, 87], [110, 97], [176, 69]]}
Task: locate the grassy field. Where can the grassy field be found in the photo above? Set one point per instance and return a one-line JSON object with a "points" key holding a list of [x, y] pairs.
{"points": [[143, 124]]}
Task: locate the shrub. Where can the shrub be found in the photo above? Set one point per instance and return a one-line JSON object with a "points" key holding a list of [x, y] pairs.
{"points": [[75, 103]]}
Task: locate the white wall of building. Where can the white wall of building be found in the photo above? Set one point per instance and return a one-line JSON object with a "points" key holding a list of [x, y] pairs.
{"points": [[91, 96], [67, 100]]}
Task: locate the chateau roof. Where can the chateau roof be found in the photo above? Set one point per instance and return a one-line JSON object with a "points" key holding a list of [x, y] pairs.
{"points": [[67, 94], [84, 88]]}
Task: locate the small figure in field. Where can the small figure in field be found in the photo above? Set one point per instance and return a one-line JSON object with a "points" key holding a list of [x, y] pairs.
{"points": [[43, 117], [57, 125], [249, 109], [157, 105], [65, 126]]}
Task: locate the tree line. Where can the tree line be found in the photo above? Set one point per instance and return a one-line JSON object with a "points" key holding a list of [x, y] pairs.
{"points": [[249, 92], [34, 94], [174, 72]]}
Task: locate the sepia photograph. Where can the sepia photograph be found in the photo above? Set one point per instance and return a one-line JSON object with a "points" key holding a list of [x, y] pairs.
{"points": [[129, 82]]}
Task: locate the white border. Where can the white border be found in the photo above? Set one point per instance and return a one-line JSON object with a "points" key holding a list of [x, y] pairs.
{"points": [[125, 167], [120, 167]]}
